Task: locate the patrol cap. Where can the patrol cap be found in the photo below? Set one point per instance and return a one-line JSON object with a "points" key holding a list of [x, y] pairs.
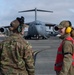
{"points": [[64, 24]]}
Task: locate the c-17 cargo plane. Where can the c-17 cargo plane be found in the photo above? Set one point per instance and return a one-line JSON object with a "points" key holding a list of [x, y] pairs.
{"points": [[38, 28]]}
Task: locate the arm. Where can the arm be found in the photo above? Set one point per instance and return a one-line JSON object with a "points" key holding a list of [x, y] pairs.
{"points": [[67, 61], [29, 60]]}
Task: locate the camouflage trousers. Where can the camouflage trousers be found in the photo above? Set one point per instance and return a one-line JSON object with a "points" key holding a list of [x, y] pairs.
{"points": [[12, 74]]}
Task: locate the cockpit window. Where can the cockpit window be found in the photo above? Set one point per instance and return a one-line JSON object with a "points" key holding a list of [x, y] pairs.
{"points": [[37, 23]]}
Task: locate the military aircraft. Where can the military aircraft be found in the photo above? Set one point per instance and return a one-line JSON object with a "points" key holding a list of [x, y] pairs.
{"points": [[37, 28]]}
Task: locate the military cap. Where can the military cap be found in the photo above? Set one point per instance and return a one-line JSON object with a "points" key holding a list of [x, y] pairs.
{"points": [[64, 24]]}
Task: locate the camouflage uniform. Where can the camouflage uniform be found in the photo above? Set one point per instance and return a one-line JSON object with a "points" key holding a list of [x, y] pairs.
{"points": [[67, 68], [72, 33], [68, 50], [16, 56]]}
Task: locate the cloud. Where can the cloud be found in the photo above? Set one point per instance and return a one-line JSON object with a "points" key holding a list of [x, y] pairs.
{"points": [[62, 9], [72, 10]]}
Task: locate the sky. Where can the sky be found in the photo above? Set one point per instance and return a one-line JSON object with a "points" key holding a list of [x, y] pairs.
{"points": [[62, 10]]}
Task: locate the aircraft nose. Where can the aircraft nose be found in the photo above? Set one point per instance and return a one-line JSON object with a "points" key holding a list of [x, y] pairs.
{"points": [[39, 29]]}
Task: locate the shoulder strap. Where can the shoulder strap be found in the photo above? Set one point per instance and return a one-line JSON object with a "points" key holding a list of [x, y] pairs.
{"points": [[69, 39]]}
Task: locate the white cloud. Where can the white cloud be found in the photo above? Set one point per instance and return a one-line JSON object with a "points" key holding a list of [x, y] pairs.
{"points": [[72, 10], [61, 10]]}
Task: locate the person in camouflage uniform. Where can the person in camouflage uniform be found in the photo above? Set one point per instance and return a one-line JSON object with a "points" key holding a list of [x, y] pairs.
{"points": [[16, 57], [64, 64], [72, 33]]}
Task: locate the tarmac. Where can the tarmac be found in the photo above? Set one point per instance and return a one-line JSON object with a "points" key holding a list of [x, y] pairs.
{"points": [[45, 58]]}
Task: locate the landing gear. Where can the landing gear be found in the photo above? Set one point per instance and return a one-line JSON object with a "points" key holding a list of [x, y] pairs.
{"points": [[27, 37], [35, 37]]}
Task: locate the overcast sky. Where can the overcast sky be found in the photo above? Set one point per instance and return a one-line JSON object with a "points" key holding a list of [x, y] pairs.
{"points": [[62, 10]]}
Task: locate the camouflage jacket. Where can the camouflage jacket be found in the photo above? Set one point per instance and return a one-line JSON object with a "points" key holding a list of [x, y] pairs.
{"points": [[16, 56]]}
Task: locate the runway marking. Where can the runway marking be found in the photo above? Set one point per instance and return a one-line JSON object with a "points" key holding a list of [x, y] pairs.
{"points": [[35, 53]]}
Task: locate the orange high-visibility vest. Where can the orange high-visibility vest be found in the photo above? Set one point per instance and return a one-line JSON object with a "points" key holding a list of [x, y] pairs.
{"points": [[59, 58]]}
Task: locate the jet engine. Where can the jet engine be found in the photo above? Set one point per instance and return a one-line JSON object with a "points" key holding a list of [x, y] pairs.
{"points": [[55, 29], [2, 30], [5, 31]]}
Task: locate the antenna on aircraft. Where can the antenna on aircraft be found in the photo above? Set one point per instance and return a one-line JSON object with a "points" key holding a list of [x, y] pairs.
{"points": [[35, 12]]}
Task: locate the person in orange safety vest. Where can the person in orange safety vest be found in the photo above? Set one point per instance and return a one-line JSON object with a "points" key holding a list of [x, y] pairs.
{"points": [[64, 63]]}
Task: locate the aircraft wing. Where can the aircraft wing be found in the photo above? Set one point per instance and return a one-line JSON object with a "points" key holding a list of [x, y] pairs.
{"points": [[6, 27], [28, 23], [49, 24]]}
